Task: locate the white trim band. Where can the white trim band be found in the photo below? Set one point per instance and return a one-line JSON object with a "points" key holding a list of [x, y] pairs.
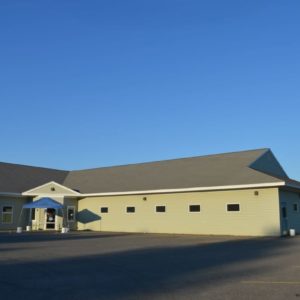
{"points": [[196, 189], [160, 191]]}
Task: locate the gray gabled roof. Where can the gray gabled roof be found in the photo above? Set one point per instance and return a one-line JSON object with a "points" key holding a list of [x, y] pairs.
{"points": [[19, 178], [236, 168], [203, 171]]}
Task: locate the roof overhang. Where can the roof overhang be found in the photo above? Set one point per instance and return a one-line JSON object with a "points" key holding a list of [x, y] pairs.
{"points": [[67, 192], [292, 187]]}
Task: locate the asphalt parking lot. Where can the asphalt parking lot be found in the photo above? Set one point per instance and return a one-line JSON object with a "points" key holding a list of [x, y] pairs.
{"points": [[85, 265]]}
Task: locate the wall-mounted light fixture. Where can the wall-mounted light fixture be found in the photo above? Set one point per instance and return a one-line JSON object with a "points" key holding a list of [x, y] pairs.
{"points": [[145, 198], [256, 193]]}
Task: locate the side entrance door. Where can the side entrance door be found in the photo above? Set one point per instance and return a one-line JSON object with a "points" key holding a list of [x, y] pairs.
{"points": [[50, 218], [284, 218]]}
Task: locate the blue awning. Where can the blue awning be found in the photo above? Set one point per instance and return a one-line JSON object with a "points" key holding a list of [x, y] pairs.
{"points": [[44, 203]]}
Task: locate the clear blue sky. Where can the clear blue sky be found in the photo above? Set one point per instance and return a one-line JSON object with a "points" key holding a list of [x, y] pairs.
{"points": [[96, 83]]}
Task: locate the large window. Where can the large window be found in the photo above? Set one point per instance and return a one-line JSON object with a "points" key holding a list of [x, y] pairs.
{"points": [[233, 207], [194, 208], [130, 209], [71, 214], [160, 209], [7, 214], [295, 207]]}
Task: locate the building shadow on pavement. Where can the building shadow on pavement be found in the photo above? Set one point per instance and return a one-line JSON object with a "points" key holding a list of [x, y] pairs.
{"points": [[42, 236], [147, 273]]}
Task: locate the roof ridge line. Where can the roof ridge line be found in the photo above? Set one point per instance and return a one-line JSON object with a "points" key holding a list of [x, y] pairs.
{"points": [[35, 167], [171, 159]]}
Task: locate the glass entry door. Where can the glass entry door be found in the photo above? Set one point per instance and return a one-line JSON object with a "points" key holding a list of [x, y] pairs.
{"points": [[50, 218]]}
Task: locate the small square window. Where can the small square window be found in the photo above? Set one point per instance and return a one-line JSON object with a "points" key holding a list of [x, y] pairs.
{"points": [[295, 207], [233, 207], [130, 209], [160, 209], [7, 209], [194, 208], [104, 210]]}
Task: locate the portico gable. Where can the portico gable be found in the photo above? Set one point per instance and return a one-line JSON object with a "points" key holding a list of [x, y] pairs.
{"points": [[51, 188]]}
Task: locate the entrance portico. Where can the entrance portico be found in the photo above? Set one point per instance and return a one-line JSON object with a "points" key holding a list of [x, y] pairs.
{"points": [[54, 214], [50, 208]]}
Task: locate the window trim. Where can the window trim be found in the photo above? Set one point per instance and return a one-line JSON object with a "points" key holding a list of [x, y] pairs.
{"points": [[74, 210], [130, 212], [5, 213], [233, 211], [160, 212], [194, 212], [105, 212]]}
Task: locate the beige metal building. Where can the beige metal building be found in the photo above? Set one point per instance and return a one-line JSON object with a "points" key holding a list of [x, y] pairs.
{"points": [[239, 193]]}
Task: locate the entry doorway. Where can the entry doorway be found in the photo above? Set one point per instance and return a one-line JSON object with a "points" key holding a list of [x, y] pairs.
{"points": [[50, 214], [284, 218]]}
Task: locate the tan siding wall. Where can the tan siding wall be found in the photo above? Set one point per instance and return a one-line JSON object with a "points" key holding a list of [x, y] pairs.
{"points": [[259, 215], [293, 217], [38, 223], [17, 204]]}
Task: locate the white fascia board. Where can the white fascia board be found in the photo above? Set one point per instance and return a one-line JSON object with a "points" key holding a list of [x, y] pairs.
{"points": [[32, 193], [195, 189], [54, 195]]}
